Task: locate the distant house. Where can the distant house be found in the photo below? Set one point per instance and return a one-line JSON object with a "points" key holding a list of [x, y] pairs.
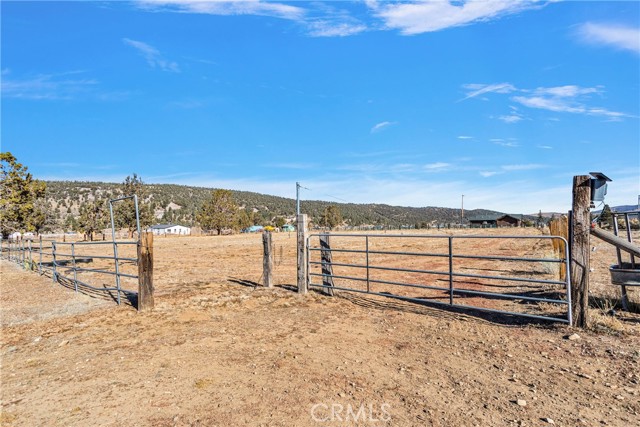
{"points": [[163, 229], [496, 220]]}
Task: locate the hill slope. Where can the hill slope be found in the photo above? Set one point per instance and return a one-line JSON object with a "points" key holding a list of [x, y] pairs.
{"points": [[179, 204]]}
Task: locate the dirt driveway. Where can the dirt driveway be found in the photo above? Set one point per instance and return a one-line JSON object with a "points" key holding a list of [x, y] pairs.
{"points": [[218, 351]]}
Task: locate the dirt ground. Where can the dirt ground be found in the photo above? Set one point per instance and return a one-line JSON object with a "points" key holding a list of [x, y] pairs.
{"points": [[218, 350]]}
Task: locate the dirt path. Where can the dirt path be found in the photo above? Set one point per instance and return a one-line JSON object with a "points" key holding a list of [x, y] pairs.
{"points": [[215, 352]]}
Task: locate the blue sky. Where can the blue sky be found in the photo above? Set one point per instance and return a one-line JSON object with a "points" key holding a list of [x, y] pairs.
{"points": [[404, 103]]}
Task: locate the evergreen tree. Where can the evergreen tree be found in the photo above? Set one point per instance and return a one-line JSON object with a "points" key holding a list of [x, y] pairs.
{"points": [[93, 217], [125, 212], [19, 193], [279, 221], [218, 212], [331, 217], [243, 220]]}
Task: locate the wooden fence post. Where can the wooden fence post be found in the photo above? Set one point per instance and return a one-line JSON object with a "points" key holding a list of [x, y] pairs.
{"points": [[145, 272], [303, 285], [267, 260], [580, 227], [327, 264]]}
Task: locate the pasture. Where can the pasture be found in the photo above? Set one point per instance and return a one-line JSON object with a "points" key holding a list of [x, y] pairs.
{"points": [[218, 350]]}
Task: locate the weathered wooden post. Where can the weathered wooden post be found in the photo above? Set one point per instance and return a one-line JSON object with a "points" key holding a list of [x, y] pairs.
{"points": [[145, 272], [303, 284], [580, 226], [327, 264], [267, 260]]}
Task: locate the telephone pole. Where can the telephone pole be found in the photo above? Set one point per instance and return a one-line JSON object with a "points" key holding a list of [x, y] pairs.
{"points": [[462, 211]]}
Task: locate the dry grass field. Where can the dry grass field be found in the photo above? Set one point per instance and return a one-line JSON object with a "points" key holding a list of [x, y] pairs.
{"points": [[220, 350]]}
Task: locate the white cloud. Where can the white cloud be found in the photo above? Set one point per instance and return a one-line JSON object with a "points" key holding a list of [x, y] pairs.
{"points": [[435, 15], [152, 55], [438, 166], [487, 174], [475, 89], [382, 125], [617, 36], [545, 147], [48, 87], [511, 143], [561, 99], [226, 7], [465, 137], [328, 28], [567, 91], [511, 118]]}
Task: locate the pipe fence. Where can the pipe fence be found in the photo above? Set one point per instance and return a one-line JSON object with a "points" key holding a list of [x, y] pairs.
{"points": [[67, 263], [441, 270]]}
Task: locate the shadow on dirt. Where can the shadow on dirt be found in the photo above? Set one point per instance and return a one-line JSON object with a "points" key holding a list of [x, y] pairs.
{"points": [[127, 298], [439, 310]]}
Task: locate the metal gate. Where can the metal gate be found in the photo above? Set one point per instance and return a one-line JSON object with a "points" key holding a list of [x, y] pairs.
{"points": [[515, 275], [67, 262]]}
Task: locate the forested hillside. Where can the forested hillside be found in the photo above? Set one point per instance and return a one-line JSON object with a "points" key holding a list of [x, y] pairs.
{"points": [[179, 204]]}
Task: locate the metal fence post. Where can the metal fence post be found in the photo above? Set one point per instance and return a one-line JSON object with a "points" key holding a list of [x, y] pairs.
{"points": [[451, 270], [75, 271], [53, 254], [40, 263], [366, 241], [30, 257]]}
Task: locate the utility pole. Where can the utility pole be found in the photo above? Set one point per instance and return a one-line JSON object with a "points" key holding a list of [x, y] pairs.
{"points": [[462, 211], [297, 198]]}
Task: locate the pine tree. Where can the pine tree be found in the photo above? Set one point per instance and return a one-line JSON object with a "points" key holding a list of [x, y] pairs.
{"points": [[331, 217], [219, 212], [93, 217], [125, 212], [19, 193]]}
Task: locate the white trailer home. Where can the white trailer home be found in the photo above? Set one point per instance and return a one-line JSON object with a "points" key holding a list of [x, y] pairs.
{"points": [[170, 229]]}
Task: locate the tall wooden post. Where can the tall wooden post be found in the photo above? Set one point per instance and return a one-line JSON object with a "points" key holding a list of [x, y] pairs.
{"points": [[580, 227], [303, 284], [267, 260], [145, 272], [327, 264]]}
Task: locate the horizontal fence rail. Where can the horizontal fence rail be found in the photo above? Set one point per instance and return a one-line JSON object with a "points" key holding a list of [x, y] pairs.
{"points": [[368, 263], [63, 262]]}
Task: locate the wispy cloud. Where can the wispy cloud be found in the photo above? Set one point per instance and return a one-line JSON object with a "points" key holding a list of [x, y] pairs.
{"points": [[513, 117], [511, 143], [465, 137], [48, 87], [617, 36], [153, 56], [226, 7], [434, 15], [438, 166], [381, 126], [328, 28], [487, 174], [474, 89], [560, 99]]}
